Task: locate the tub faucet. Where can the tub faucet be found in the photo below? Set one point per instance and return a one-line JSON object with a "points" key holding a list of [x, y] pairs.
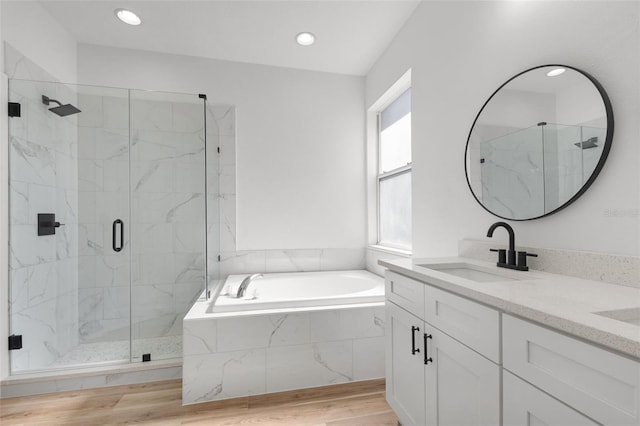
{"points": [[245, 283], [507, 259]]}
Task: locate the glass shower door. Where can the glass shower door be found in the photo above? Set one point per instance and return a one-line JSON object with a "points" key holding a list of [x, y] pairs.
{"points": [[168, 193], [69, 278]]}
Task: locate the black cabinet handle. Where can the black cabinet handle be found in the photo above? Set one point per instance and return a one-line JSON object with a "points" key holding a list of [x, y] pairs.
{"points": [[116, 247], [413, 340], [427, 359]]}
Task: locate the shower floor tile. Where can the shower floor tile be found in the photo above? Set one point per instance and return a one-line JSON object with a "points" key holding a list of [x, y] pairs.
{"points": [[105, 352]]}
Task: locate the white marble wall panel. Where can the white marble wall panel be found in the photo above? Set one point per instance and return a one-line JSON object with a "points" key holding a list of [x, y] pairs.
{"points": [[303, 366], [253, 332], [368, 358], [346, 323], [223, 375], [43, 179], [103, 151], [164, 211], [150, 114], [20, 208], [168, 196], [242, 262], [292, 260], [158, 325], [342, 259], [296, 260], [297, 350], [200, 337]]}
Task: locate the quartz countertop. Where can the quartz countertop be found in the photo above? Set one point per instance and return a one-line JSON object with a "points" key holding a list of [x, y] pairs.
{"points": [[564, 303]]}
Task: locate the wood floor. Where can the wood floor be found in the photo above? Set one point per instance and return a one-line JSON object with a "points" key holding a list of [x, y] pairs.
{"points": [[160, 403]]}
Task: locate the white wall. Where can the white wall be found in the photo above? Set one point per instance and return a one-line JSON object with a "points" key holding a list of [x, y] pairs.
{"points": [[300, 141], [29, 28], [459, 53]]}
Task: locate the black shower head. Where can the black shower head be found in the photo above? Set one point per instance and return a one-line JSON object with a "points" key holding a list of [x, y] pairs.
{"points": [[61, 110], [589, 143]]}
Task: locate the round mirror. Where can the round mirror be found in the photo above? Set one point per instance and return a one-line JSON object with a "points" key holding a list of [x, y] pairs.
{"points": [[538, 142]]}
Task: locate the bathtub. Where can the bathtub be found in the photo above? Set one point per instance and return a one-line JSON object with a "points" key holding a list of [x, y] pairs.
{"points": [[291, 331], [300, 289]]}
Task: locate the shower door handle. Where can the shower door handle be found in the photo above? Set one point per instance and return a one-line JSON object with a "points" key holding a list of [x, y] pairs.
{"points": [[114, 227]]}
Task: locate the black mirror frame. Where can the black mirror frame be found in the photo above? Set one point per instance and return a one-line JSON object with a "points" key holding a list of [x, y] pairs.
{"points": [[601, 161]]}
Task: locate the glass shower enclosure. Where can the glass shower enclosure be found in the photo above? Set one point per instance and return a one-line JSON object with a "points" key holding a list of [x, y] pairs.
{"points": [[108, 223], [533, 171]]}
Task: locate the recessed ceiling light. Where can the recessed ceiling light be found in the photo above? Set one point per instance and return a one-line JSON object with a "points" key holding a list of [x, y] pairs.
{"points": [[305, 39], [555, 72], [128, 17]]}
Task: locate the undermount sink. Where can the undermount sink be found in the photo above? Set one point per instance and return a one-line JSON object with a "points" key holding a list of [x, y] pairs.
{"points": [[469, 272], [630, 315]]}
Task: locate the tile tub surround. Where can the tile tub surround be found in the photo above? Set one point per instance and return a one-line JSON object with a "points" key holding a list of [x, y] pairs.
{"points": [[229, 355], [293, 260], [567, 304], [612, 269]]}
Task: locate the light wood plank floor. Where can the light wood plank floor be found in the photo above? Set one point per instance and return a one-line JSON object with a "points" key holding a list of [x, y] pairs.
{"points": [[160, 403]]}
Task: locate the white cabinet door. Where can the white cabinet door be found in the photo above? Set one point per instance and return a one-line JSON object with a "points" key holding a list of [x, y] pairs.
{"points": [[525, 405], [599, 383], [404, 365], [462, 386]]}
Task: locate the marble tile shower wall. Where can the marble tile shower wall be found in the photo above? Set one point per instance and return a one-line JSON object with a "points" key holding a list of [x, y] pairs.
{"points": [[168, 213], [520, 173], [167, 226], [512, 175], [103, 181], [43, 179]]}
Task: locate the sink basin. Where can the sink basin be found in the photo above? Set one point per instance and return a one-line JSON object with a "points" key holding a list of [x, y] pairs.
{"points": [[630, 315], [469, 272]]}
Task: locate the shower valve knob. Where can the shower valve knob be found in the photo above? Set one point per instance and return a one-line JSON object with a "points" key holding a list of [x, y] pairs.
{"points": [[47, 224]]}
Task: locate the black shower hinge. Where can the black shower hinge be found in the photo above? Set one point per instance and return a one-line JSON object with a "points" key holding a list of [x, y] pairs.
{"points": [[218, 150], [146, 357], [15, 342], [14, 109], [482, 161], [219, 258]]}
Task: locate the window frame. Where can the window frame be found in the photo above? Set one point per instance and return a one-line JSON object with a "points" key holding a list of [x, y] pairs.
{"points": [[382, 175]]}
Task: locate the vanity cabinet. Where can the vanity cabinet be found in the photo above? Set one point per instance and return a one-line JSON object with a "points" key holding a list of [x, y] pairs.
{"points": [[599, 383], [454, 361], [462, 386], [525, 404], [404, 366], [432, 377]]}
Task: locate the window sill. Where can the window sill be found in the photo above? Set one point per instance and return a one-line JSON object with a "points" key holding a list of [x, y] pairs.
{"points": [[391, 250]]}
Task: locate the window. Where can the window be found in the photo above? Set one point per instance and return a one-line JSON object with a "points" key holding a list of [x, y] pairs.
{"points": [[394, 173]]}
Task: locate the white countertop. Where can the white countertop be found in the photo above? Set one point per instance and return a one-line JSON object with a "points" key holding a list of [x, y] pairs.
{"points": [[561, 302]]}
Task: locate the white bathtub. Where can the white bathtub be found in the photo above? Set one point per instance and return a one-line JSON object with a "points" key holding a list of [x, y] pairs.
{"points": [[300, 289], [301, 330]]}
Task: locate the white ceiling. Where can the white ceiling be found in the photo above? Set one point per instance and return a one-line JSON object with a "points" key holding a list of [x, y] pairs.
{"points": [[350, 34]]}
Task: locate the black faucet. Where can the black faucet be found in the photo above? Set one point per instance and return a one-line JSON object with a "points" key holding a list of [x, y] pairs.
{"points": [[507, 259]]}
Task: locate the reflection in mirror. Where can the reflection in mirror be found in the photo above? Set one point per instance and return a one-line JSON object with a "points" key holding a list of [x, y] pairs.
{"points": [[538, 142]]}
